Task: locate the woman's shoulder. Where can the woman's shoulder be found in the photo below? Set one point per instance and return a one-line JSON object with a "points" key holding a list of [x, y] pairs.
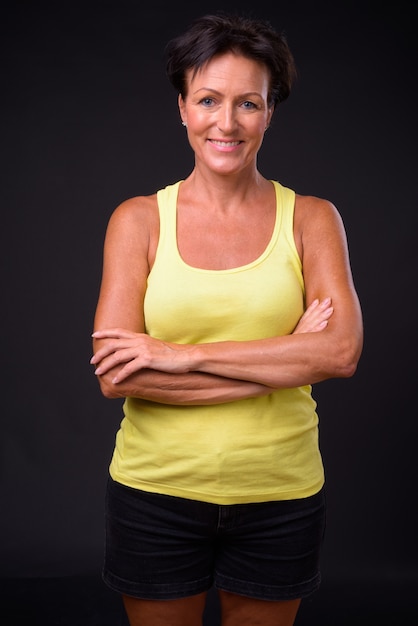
{"points": [[134, 221], [137, 207], [313, 208], [136, 211], [316, 219], [313, 203]]}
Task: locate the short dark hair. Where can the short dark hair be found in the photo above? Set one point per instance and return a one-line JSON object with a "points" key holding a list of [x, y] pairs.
{"points": [[212, 35]]}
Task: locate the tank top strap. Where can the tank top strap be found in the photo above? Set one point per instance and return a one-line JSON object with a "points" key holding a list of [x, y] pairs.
{"points": [[167, 206], [285, 203]]}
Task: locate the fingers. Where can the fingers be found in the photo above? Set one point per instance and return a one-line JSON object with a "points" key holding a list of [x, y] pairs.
{"points": [[129, 352], [318, 308], [315, 317], [122, 339], [120, 348], [125, 372], [110, 348], [320, 305], [114, 358]]}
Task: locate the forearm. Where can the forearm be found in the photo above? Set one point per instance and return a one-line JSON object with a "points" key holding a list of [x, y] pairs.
{"points": [[321, 347], [193, 388], [281, 362], [316, 350]]}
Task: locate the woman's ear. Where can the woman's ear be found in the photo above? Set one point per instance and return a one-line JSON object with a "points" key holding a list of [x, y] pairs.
{"points": [[270, 115], [182, 109]]}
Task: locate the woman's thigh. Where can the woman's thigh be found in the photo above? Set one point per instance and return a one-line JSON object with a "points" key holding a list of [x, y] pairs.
{"points": [[179, 612], [235, 610], [242, 611]]}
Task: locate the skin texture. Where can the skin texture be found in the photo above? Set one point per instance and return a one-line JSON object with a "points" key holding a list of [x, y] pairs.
{"points": [[236, 610], [226, 213]]}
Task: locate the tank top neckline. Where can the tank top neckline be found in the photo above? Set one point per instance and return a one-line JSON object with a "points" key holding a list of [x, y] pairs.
{"points": [[240, 268]]}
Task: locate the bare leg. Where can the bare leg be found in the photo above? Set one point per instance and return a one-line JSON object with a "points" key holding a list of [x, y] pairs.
{"points": [[180, 612], [242, 611]]}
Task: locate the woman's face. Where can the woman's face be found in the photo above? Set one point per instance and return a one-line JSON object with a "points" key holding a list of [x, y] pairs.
{"points": [[226, 112]]}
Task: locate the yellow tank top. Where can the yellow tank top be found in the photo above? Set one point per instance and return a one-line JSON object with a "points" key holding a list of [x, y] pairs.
{"points": [[251, 450]]}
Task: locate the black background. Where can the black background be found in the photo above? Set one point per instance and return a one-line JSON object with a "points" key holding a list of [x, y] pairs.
{"points": [[88, 120]]}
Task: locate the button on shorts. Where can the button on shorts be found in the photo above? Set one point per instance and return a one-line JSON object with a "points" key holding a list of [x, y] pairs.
{"points": [[164, 547]]}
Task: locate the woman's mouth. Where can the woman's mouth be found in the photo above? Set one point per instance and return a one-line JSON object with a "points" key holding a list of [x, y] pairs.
{"points": [[225, 144]]}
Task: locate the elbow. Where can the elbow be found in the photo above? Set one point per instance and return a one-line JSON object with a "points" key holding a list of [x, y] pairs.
{"points": [[110, 394], [108, 388], [347, 358], [348, 369]]}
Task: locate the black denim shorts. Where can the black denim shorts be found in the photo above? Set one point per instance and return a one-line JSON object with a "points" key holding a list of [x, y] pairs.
{"points": [[164, 547]]}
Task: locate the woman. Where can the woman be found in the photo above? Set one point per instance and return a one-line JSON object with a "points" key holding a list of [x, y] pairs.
{"points": [[224, 297]]}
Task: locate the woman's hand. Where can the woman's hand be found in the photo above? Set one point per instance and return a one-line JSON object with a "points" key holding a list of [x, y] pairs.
{"points": [[137, 351], [315, 317]]}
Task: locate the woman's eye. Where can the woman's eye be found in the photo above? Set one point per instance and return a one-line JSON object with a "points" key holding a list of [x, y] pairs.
{"points": [[206, 101], [248, 105]]}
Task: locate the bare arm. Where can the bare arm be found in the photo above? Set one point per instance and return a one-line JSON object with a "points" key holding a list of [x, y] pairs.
{"points": [[195, 388], [305, 357], [128, 251], [177, 387]]}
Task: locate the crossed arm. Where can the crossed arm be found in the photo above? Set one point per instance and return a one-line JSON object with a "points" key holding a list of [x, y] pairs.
{"points": [[134, 364], [326, 342]]}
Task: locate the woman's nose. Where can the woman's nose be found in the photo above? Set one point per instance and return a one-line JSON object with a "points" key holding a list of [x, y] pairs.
{"points": [[226, 120]]}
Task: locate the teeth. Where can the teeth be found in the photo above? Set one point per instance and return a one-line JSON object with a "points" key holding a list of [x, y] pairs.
{"points": [[227, 144]]}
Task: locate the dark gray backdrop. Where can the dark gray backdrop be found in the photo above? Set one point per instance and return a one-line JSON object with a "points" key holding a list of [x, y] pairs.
{"points": [[89, 119]]}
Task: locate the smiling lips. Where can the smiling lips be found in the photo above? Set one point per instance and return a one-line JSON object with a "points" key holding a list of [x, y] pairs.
{"points": [[225, 144]]}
